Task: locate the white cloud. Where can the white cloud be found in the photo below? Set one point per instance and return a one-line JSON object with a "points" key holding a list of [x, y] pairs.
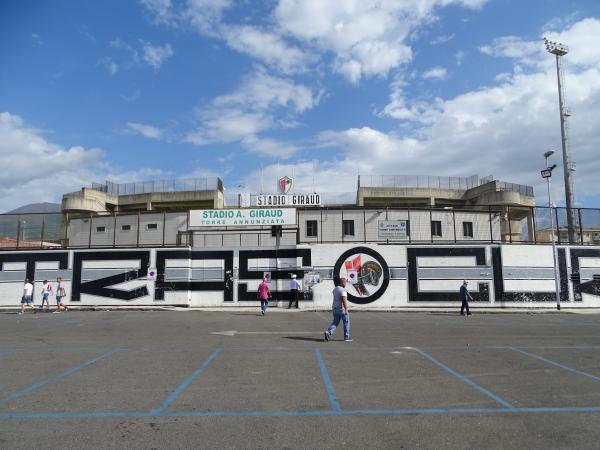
{"points": [[155, 56], [206, 15], [37, 39], [512, 47], [42, 171], [111, 67], [367, 38], [438, 73], [162, 10], [261, 103], [363, 38], [266, 47], [442, 39], [39, 170], [145, 130], [499, 129], [269, 147]]}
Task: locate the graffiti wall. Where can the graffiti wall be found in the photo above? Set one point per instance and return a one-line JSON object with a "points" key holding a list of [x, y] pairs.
{"points": [[379, 276]]}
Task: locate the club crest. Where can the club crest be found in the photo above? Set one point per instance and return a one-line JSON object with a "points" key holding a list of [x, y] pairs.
{"points": [[285, 184]]}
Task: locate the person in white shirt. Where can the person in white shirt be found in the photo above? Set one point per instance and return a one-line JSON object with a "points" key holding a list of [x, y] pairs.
{"points": [[295, 290], [27, 299], [46, 291], [340, 311]]}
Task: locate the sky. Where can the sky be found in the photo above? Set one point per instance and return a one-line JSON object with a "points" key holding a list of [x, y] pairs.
{"points": [[319, 90]]}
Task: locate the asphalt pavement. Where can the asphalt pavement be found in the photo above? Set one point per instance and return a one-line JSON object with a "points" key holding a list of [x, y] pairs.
{"points": [[236, 379]]}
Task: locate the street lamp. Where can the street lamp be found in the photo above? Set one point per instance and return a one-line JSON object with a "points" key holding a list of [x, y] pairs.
{"points": [[547, 174]]}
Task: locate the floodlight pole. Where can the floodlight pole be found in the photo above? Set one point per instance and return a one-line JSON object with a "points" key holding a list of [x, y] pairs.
{"points": [[559, 50], [555, 263]]}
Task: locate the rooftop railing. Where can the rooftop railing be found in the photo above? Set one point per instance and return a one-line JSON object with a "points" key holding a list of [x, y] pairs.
{"points": [[146, 187], [436, 182]]}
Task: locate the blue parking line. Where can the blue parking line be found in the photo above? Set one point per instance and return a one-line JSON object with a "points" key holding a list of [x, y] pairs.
{"points": [[185, 383], [333, 401], [554, 363], [57, 377], [465, 379], [8, 351], [318, 412]]}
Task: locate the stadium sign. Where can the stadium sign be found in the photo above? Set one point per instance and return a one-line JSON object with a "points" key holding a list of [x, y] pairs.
{"points": [[242, 217], [288, 200]]}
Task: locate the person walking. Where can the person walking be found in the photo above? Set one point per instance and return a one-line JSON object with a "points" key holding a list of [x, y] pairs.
{"points": [[295, 290], [340, 311], [46, 290], [464, 298], [27, 299], [60, 294], [264, 294]]}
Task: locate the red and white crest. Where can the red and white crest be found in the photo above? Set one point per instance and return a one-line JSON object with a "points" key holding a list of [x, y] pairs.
{"points": [[285, 184]]}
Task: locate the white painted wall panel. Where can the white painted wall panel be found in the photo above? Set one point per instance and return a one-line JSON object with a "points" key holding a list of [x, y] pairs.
{"points": [[527, 255], [449, 261], [529, 285]]}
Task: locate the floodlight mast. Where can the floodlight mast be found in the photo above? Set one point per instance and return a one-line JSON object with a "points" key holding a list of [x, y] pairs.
{"points": [[559, 50]]}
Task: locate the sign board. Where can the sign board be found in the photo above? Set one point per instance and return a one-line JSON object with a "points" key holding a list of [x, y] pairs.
{"points": [[393, 229], [242, 217], [288, 200], [151, 273]]}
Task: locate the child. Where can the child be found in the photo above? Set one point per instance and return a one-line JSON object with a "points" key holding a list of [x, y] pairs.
{"points": [[46, 290]]}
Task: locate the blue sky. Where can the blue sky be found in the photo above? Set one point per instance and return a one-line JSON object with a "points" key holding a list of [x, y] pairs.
{"points": [[322, 90]]}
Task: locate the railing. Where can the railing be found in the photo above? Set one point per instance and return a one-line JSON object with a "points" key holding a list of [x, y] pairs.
{"points": [[520, 188], [435, 182], [491, 224], [419, 181], [145, 187]]}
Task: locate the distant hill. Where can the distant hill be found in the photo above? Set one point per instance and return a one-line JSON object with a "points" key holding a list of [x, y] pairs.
{"points": [[36, 208]]}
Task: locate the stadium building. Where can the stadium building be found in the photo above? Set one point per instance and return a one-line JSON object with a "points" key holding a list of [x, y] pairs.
{"points": [[402, 241]]}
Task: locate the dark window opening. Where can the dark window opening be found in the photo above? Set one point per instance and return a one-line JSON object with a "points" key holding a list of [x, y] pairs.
{"points": [[348, 227], [311, 228], [468, 229], [436, 228]]}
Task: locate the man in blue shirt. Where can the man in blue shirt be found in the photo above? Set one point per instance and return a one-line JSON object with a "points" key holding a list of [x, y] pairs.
{"points": [[464, 298]]}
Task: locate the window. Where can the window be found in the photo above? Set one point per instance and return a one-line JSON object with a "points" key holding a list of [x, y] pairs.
{"points": [[125, 227], [467, 229], [436, 228], [311, 228], [151, 226], [348, 227], [100, 229]]}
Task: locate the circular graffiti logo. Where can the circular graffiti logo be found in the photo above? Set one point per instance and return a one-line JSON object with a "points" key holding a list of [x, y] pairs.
{"points": [[366, 272]]}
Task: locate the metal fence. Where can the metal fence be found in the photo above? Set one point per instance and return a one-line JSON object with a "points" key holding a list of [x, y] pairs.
{"points": [[491, 224], [145, 187], [435, 182]]}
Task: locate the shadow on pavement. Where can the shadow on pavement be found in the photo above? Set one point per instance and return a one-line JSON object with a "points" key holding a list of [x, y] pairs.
{"points": [[299, 338]]}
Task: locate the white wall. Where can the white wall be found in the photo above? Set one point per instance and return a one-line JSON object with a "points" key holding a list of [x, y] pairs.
{"points": [[527, 271]]}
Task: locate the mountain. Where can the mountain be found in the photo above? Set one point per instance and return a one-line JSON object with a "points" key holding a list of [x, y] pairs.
{"points": [[33, 208]]}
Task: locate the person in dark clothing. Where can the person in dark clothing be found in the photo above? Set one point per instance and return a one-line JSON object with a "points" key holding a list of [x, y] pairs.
{"points": [[464, 298]]}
